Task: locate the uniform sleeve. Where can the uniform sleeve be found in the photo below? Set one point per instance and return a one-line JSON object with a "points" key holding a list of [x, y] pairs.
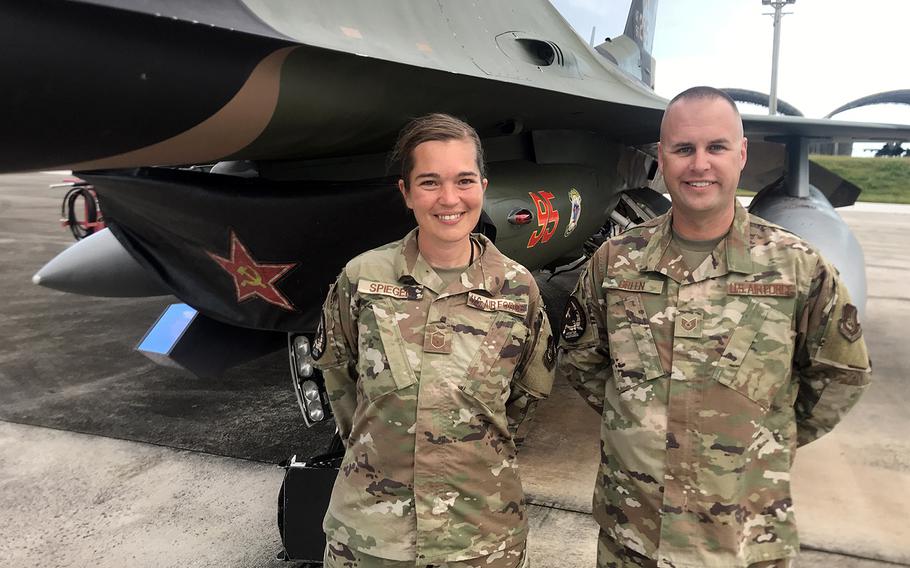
{"points": [[335, 353], [831, 361], [533, 379], [583, 346]]}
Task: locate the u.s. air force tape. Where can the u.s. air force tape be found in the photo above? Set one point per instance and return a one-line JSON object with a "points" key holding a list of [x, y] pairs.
{"points": [[574, 322]]}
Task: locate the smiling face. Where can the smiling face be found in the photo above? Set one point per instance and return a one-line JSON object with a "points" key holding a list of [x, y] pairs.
{"points": [[445, 191], [701, 154]]}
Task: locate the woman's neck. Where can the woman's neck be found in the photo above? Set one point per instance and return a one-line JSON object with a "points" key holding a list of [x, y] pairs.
{"points": [[446, 255]]}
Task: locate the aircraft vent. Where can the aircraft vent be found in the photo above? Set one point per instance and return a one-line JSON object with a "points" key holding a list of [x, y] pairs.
{"points": [[538, 52]]}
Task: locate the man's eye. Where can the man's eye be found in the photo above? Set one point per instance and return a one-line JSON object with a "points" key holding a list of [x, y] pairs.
{"points": [[466, 181], [684, 151], [716, 148], [428, 183]]}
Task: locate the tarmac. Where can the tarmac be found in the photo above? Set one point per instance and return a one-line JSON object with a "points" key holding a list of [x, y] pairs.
{"points": [[109, 460]]}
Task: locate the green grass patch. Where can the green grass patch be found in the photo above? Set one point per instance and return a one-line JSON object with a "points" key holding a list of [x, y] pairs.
{"points": [[883, 180]]}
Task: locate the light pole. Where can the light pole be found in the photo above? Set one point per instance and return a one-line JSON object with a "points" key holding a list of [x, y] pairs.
{"points": [[778, 6]]}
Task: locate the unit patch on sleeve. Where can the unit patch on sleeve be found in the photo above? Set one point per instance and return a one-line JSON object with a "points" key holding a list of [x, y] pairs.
{"points": [[575, 321], [549, 356], [849, 325], [319, 339]]}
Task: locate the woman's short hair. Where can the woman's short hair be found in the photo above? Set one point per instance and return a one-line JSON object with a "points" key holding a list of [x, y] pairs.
{"points": [[432, 127]]}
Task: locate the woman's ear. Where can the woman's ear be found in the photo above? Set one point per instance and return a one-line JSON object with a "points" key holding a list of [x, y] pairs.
{"points": [[404, 193]]}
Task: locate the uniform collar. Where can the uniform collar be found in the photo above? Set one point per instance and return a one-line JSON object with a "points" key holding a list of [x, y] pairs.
{"points": [[486, 273], [732, 253]]}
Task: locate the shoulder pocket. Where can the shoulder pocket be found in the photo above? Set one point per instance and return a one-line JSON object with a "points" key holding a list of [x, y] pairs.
{"points": [[632, 348], [759, 354], [490, 372], [383, 363]]}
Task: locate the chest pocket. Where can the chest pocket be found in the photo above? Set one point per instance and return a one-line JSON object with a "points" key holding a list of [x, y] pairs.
{"points": [[489, 375], [383, 364], [757, 359], [632, 348]]}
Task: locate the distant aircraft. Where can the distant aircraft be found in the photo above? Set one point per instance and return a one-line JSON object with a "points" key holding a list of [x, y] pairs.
{"points": [[295, 102]]}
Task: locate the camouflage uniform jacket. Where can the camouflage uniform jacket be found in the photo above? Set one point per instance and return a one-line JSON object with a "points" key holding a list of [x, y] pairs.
{"points": [[707, 382], [430, 388]]}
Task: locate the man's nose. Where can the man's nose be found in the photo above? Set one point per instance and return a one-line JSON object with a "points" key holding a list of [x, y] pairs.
{"points": [[700, 161]]}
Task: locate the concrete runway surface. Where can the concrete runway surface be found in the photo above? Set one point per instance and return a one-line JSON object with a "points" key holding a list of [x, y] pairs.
{"points": [[109, 460]]}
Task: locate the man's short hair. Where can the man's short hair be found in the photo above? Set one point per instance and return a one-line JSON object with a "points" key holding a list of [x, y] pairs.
{"points": [[428, 128], [696, 93]]}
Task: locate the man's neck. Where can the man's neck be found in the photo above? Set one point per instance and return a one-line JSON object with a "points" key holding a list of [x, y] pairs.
{"points": [[702, 229]]}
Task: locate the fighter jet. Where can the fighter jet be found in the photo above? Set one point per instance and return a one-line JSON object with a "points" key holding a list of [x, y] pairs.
{"points": [[238, 148]]}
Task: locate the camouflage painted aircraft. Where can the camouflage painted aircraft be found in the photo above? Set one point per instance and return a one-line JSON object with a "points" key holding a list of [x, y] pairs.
{"points": [[238, 147]]}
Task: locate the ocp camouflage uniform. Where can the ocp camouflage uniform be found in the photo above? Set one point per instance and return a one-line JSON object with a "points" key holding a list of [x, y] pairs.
{"points": [[431, 388], [707, 382]]}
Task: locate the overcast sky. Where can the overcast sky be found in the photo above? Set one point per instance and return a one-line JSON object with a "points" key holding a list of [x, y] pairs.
{"points": [[832, 51]]}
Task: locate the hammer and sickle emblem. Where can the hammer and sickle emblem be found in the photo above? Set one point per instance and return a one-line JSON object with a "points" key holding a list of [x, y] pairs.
{"points": [[545, 216], [252, 277]]}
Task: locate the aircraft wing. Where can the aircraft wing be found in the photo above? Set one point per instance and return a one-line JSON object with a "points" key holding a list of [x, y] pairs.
{"points": [[776, 128]]}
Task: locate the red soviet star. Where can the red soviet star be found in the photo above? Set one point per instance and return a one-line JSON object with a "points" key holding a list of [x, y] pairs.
{"points": [[254, 279]]}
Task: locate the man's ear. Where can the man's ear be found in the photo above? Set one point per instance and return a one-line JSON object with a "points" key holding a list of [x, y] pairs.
{"points": [[405, 194], [483, 184], [660, 158], [744, 153]]}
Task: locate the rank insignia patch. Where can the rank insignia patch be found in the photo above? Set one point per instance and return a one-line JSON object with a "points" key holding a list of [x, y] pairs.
{"points": [[849, 325], [688, 325], [253, 279], [575, 321]]}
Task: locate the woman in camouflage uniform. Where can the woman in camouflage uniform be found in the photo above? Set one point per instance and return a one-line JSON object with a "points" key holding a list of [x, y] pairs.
{"points": [[434, 349]]}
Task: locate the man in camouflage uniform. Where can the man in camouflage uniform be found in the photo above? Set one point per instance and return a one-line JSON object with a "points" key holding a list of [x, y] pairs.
{"points": [[713, 343], [432, 380]]}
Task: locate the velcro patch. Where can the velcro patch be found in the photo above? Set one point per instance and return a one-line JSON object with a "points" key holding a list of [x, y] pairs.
{"points": [[319, 340], [849, 326], [649, 286], [402, 292], [575, 321], [437, 338], [497, 304], [549, 356], [761, 289], [688, 324]]}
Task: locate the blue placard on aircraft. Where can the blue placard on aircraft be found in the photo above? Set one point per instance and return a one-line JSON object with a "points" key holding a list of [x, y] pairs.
{"points": [[166, 332]]}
